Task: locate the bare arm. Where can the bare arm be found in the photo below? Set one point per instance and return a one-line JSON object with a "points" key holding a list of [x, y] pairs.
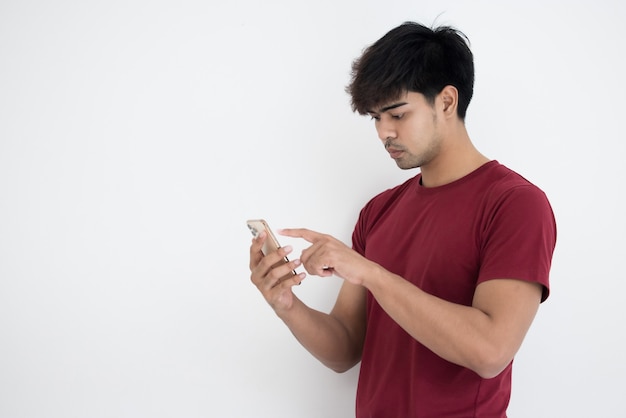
{"points": [[336, 339], [483, 337]]}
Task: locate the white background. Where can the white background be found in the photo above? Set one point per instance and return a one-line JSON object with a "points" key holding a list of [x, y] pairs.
{"points": [[136, 137]]}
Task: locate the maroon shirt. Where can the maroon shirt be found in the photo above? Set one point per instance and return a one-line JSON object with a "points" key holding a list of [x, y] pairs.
{"points": [[446, 240]]}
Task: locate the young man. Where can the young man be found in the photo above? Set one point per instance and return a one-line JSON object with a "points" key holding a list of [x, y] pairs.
{"points": [[446, 271]]}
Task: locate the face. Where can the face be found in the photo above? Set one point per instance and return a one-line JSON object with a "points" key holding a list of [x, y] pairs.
{"points": [[409, 130]]}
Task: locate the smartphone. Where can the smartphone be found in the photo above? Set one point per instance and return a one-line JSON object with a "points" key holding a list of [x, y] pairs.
{"points": [[256, 226]]}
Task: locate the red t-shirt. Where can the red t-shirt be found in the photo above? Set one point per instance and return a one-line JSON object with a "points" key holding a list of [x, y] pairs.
{"points": [[446, 240]]}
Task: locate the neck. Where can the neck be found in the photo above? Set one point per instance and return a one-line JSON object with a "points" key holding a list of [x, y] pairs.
{"points": [[457, 158]]}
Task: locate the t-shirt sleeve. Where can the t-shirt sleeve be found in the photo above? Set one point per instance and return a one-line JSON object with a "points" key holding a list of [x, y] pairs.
{"points": [[358, 234], [519, 237]]}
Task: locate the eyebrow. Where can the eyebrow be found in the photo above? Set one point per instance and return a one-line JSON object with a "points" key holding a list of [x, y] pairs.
{"points": [[389, 107]]}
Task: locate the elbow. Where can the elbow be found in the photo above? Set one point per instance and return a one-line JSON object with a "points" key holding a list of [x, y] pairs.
{"points": [[340, 370], [342, 367], [490, 363], [350, 358], [489, 372], [343, 364]]}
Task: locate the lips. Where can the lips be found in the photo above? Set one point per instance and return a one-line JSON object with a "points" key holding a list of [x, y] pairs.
{"points": [[394, 152]]}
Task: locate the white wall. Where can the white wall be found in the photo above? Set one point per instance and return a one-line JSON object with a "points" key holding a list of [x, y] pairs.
{"points": [[136, 137]]}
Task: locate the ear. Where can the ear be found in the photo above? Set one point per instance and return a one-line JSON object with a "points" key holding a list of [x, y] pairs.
{"points": [[449, 97]]}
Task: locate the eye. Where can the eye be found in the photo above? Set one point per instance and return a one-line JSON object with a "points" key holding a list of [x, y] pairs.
{"points": [[398, 116], [375, 117]]}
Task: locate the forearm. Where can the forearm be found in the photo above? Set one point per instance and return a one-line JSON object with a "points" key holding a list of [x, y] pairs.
{"points": [[465, 335], [456, 333], [323, 335]]}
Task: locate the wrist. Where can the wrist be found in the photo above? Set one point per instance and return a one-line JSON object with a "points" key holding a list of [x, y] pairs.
{"points": [[374, 277]]}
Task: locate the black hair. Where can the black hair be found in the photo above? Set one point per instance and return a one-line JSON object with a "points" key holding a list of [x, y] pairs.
{"points": [[413, 57]]}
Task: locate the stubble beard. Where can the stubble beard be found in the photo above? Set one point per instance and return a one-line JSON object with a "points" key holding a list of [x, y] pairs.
{"points": [[409, 161]]}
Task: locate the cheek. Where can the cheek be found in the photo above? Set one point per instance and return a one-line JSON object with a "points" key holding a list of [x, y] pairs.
{"points": [[418, 129]]}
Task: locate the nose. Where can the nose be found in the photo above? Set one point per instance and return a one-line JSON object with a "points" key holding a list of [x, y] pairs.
{"points": [[386, 129]]}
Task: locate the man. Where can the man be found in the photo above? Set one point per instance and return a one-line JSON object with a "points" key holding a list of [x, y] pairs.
{"points": [[446, 271]]}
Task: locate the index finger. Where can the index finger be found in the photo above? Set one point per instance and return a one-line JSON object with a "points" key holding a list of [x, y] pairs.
{"points": [[307, 234]]}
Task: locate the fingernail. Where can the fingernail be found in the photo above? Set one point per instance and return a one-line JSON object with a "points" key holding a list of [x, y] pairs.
{"points": [[288, 248]]}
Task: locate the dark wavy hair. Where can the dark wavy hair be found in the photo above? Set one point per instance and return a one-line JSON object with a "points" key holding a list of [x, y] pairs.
{"points": [[413, 57]]}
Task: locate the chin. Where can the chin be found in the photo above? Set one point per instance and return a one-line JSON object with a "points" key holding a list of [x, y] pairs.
{"points": [[406, 165]]}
